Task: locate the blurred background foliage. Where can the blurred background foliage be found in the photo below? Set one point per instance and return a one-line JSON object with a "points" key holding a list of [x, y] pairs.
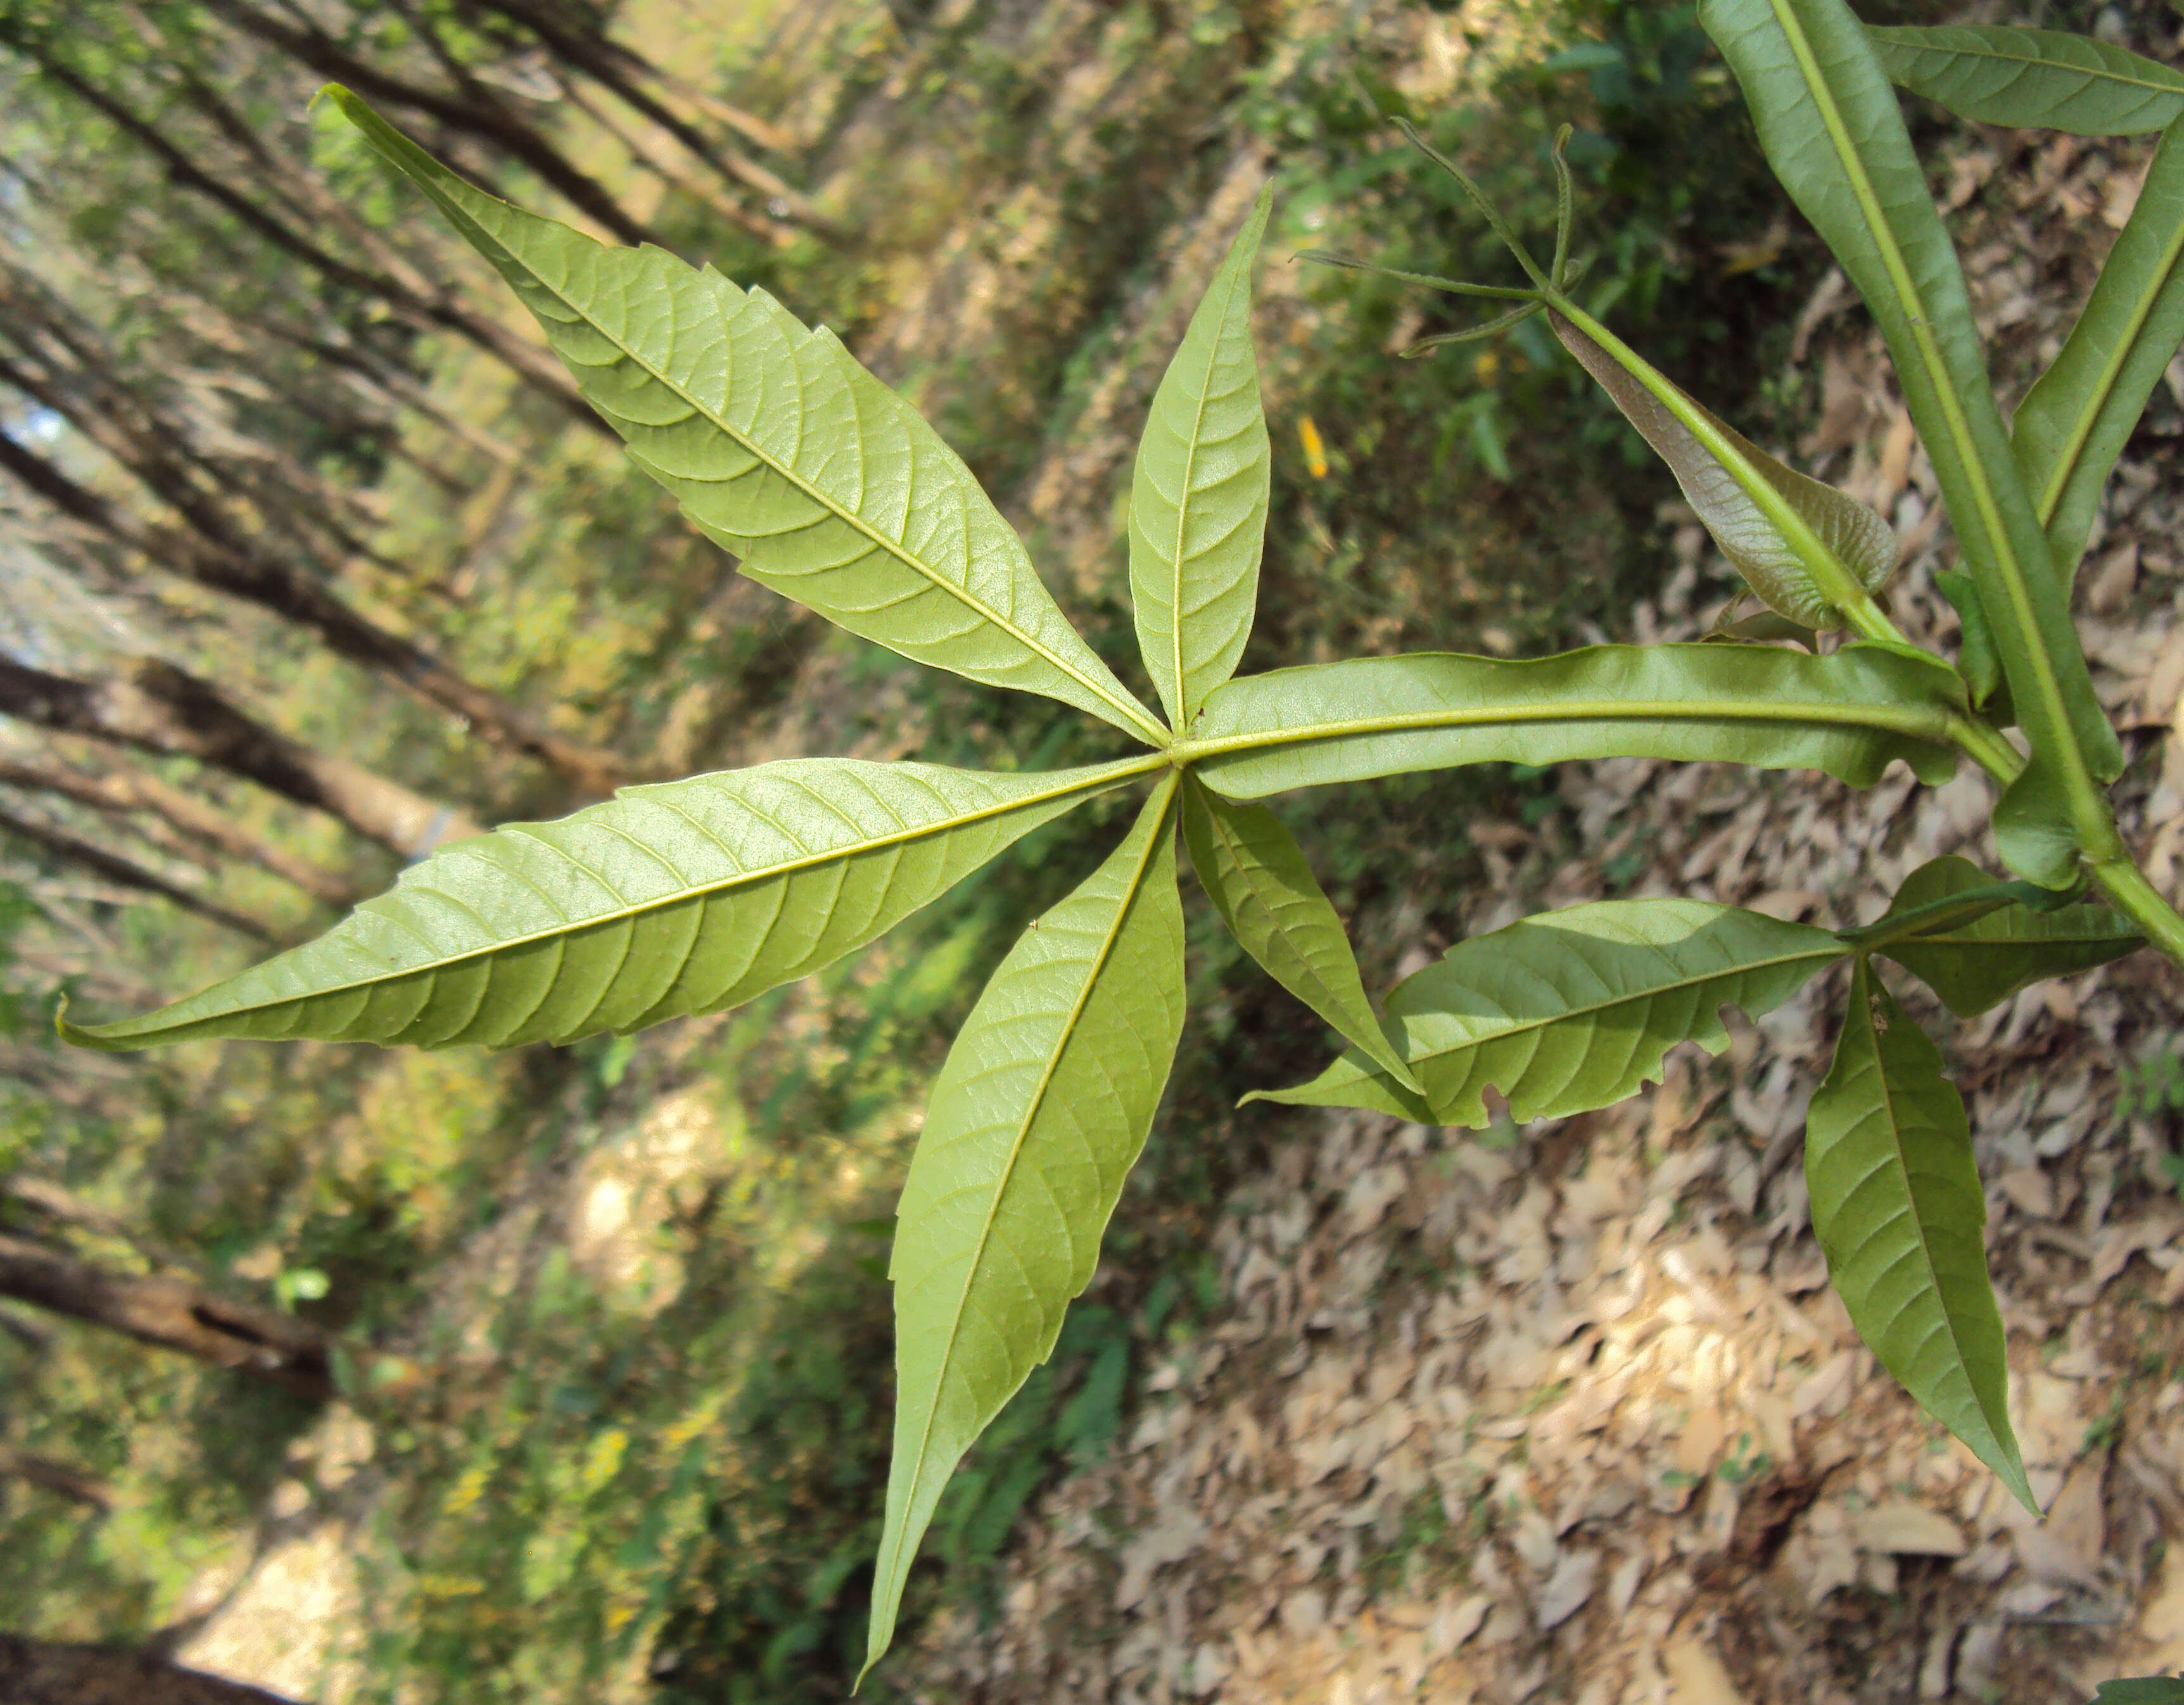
{"points": [[308, 558]]}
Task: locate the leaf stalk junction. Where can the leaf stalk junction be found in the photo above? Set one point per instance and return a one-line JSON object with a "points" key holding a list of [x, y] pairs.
{"points": [[2101, 853]]}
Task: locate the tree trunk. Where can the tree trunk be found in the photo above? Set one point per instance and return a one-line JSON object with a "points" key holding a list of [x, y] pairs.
{"points": [[603, 63], [213, 556], [43, 1196], [33, 1339], [128, 788], [399, 279], [434, 310], [377, 382], [474, 111], [104, 794], [582, 43], [174, 1314], [116, 869], [160, 709], [757, 223], [58, 1477], [40, 1671]]}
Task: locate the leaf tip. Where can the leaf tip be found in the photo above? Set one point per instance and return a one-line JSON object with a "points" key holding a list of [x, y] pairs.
{"points": [[78, 1035], [353, 107], [2009, 1468]]}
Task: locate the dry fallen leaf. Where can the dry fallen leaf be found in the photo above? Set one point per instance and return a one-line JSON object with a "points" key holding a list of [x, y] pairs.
{"points": [[1697, 1675], [1900, 1528]]}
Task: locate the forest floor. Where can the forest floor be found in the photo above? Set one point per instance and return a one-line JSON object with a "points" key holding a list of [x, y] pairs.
{"points": [[1565, 1411]]}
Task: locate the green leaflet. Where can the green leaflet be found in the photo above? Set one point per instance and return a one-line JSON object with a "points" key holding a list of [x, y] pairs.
{"points": [[2032, 827], [1861, 544], [1898, 1209], [1034, 1121], [2141, 1689], [2073, 424], [2032, 79], [1976, 660], [685, 897], [1847, 713], [1258, 878], [1834, 133], [1198, 498], [781, 449], [1573, 1010], [1979, 961]]}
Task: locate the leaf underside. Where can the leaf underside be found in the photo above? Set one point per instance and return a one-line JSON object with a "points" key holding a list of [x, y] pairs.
{"points": [[1198, 496], [1573, 1010], [685, 897], [2032, 79], [1258, 879], [1857, 538], [1977, 661], [2074, 423], [1898, 1209], [1848, 714], [1979, 963], [1034, 1121], [831, 488]]}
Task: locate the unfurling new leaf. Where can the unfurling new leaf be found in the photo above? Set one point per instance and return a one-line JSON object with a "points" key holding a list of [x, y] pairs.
{"points": [[781, 449], [1859, 541], [1978, 961], [1573, 1010], [1898, 1209], [689, 896], [1256, 877], [1198, 499], [1834, 135], [1034, 1121], [2032, 79]]}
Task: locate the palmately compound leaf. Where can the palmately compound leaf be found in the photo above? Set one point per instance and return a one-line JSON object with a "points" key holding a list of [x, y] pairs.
{"points": [[1848, 714], [1198, 499], [1980, 961], [1834, 133], [1570, 1010], [2049, 80], [783, 449], [1853, 535], [1035, 1119], [1898, 1209], [1258, 879], [685, 897], [2074, 423]]}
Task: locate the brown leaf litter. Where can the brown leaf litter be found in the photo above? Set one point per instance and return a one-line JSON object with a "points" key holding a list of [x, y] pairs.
{"points": [[1476, 1427]]}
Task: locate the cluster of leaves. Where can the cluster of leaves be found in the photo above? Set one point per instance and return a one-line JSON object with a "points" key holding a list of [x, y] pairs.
{"points": [[699, 895]]}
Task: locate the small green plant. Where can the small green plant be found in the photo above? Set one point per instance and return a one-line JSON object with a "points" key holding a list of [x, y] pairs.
{"points": [[2152, 1087], [699, 895]]}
